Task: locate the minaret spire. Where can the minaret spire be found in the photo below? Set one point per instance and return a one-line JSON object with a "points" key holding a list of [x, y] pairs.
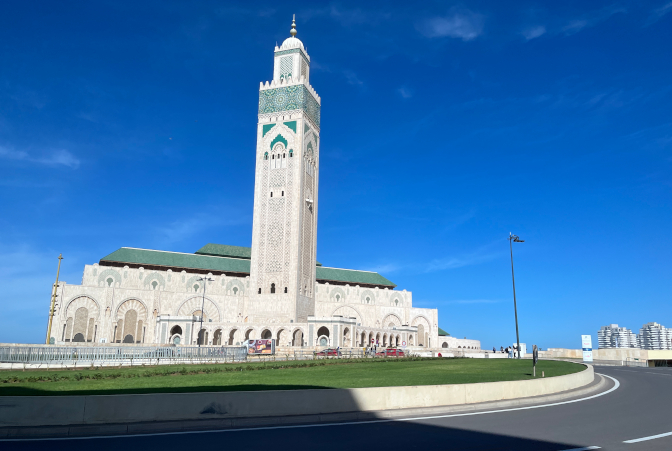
{"points": [[293, 30]]}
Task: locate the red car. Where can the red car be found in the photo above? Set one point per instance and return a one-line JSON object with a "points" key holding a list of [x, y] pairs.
{"points": [[391, 352], [329, 352]]}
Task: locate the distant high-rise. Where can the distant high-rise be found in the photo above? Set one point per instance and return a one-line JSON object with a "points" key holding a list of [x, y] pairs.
{"points": [[655, 336], [612, 336]]}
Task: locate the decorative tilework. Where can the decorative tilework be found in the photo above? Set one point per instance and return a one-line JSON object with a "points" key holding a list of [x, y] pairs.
{"points": [[266, 128], [278, 139], [291, 124], [291, 51], [304, 69], [288, 98], [286, 66]]}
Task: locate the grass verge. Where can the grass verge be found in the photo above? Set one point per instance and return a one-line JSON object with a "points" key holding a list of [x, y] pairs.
{"points": [[291, 375]]}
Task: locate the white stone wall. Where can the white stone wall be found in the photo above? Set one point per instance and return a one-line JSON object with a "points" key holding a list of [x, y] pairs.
{"points": [[165, 299], [458, 343]]}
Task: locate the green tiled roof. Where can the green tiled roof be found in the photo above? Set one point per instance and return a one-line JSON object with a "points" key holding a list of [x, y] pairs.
{"points": [[352, 276], [179, 261], [443, 333], [224, 250]]}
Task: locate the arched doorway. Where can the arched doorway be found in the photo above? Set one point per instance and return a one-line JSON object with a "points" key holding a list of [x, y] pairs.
{"points": [[232, 336], [297, 339], [384, 339], [323, 336], [266, 334], [346, 337], [202, 337], [78, 338], [444, 345], [249, 335], [217, 338], [362, 341], [421, 335], [281, 338]]}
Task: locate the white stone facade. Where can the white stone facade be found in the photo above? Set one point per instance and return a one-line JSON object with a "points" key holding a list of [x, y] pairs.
{"points": [[156, 307], [143, 296]]}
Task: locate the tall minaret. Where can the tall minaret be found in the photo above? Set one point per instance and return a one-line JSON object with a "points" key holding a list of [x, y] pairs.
{"points": [[284, 232]]}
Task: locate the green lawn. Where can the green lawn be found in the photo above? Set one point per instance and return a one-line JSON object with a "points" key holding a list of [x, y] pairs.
{"points": [[275, 376]]}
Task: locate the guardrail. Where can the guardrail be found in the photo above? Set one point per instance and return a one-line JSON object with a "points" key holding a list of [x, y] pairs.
{"points": [[120, 355]]}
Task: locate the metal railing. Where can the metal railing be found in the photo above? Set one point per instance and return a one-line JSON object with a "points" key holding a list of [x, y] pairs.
{"points": [[120, 355]]}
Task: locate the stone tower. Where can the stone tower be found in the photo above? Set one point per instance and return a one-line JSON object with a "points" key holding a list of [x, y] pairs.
{"points": [[284, 232]]}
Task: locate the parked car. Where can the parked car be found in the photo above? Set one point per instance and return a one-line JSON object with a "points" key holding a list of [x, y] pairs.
{"points": [[391, 352], [329, 352]]}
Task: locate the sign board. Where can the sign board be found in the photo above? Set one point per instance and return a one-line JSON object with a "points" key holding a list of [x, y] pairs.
{"points": [[587, 347], [260, 347], [535, 354]]}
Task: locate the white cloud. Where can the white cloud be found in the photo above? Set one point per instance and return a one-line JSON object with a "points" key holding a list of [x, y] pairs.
{"points": [[183, 229], [481, 255], [464, 25], [658, 13], [58, 157], [533, 32], [405, 92], [352, 78], [590, 20]]}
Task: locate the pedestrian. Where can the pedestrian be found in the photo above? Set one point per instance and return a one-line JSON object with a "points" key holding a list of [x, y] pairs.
{"points": [[501, 348], [494, 349]]}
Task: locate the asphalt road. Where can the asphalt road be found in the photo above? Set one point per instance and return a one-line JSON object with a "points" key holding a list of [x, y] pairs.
{"points": [[641, 407]]}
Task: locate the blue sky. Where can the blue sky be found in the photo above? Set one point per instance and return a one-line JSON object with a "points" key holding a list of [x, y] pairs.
{"points": [[445, 126]]}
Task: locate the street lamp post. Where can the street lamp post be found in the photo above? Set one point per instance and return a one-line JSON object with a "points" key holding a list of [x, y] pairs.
{"points": [[514, 239], [205, 281]]}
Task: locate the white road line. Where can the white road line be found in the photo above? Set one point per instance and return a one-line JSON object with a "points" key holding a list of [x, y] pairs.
{"points": [[640, 372], [583, 449], [319, 425], [651, 437]]}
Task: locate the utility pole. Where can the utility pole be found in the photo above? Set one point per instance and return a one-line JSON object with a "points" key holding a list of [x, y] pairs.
{"points": [[205, 284], [515, 239], [53, 299]]}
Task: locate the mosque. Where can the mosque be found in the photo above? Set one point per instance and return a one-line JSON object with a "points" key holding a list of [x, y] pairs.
{"points": [[224, 295]]}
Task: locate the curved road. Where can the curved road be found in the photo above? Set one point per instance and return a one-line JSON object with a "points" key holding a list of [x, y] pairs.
{"points": [[636, 416]]}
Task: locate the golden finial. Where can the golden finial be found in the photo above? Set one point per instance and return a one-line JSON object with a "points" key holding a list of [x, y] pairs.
{"points": [[293, 30]]}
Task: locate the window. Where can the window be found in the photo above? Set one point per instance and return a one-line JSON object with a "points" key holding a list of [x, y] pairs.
{"points": [[259, 290], [272, 288], [110, 281], [283, 193], [272, 157], [271, 193], [291, 153], [266, 156], [195, 287], [285, 289], [235, 291], [284, 155]]}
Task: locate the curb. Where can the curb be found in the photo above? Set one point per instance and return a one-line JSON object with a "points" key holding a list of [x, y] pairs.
{"points": [[599, 384]]}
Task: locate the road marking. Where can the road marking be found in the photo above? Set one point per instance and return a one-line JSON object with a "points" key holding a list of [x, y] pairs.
{"points": [[583, 449], [639, 372], [651, 437], [318, 425]]}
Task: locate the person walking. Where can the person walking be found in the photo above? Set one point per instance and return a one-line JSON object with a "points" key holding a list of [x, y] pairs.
{"points": [[501, 348]]}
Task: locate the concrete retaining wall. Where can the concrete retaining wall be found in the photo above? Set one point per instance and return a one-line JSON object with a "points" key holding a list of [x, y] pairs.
{"points": [[102, 409]]}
